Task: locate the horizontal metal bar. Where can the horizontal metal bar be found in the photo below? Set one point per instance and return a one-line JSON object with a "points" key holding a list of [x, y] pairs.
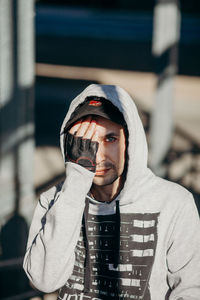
{"points": [[25, 295], [12, 263]]}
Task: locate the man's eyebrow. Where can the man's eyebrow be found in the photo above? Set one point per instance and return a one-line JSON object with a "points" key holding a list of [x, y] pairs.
{"points": [[112, 134]]}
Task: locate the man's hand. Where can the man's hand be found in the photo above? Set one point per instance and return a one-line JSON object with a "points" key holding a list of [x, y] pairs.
{"points": [[81, 146]]}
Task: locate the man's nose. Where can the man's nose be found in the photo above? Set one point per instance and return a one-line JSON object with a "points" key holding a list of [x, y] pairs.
{"points": [[100, 156]]}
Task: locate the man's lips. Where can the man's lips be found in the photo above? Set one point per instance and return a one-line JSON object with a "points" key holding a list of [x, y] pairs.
{"points": [[102, 171]]}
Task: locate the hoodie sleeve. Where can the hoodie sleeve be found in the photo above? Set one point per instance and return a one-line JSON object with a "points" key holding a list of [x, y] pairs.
{"points": [[54, 231], [184, 255]]}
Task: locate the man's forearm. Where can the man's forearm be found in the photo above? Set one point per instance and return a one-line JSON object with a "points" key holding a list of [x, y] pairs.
{"points": [[50, 253]]}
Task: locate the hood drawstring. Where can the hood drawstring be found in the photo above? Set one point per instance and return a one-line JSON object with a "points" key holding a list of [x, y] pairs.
{"points": [[87, 250], [117, 236]]}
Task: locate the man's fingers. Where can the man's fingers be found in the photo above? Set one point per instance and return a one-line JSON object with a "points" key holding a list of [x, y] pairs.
{"points": [[84, 126], [90, 130], [75, 127], [94, 137]]}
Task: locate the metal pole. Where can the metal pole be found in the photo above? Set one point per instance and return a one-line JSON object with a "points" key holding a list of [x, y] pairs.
{"points": [[165, 50], [16, 103]]}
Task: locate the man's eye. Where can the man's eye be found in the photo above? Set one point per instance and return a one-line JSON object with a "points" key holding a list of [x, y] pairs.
{"points": [[110, 139]]}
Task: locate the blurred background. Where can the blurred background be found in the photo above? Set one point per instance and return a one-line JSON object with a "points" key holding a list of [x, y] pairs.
{"points": [[49, 52]]}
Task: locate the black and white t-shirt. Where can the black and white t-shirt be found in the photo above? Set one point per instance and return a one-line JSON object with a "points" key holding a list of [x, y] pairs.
{"points": [[129, 280]]}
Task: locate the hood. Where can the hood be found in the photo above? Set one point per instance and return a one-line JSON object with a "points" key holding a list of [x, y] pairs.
{"points": [[137, 170]]}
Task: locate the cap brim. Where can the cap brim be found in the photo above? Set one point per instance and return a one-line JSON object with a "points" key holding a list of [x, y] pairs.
{"points": [[84, 114]]}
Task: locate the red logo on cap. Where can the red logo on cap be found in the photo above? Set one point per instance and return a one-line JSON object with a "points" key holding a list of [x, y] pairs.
{"points": [[95, 103]]}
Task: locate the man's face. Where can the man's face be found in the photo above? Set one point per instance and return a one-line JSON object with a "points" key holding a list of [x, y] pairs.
{"points": [[110, 157]]}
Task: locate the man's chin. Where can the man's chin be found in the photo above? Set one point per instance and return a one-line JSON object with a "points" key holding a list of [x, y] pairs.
{"points": [[104, 180]]}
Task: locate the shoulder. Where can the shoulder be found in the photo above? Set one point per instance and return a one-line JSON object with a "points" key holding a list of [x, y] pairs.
{"points": [[173, 192], [172, 187], [175, 204]]}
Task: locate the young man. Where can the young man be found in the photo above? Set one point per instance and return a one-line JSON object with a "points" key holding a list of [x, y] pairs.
{"points": [[112, 230]]}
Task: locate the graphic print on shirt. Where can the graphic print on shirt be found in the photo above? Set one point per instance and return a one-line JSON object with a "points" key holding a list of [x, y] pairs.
{"points": [[127, 280]]}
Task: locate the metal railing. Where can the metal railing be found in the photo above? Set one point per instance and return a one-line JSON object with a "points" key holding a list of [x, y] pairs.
{"points": [[187, 156]]}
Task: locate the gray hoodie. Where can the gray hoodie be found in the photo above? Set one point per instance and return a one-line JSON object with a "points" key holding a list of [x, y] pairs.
{"points": [[157, 226]]}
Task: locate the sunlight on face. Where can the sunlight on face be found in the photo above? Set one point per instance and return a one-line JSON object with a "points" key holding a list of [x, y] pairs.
{"points": [[110, 158]]}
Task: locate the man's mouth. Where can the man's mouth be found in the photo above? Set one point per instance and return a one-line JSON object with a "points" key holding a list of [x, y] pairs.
{"points": [[101, 172]]}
